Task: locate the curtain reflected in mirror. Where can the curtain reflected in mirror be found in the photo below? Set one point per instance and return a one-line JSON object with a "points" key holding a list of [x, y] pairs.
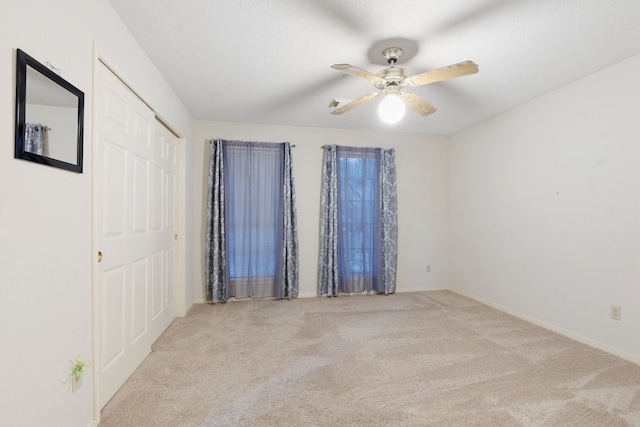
{"points": [[36, 138], [49, 116]]}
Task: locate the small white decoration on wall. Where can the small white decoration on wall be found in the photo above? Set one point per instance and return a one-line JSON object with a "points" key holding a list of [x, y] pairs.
{"points": [[76, 371]]}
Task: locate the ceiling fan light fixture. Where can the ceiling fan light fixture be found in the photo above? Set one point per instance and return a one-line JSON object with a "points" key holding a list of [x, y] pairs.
{"points": [[391, 109]]}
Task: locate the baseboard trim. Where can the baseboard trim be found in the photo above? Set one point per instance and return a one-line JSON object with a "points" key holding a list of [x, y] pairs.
{"points": [[407, 290], [314, 294], [307, 295], [554, 328]]}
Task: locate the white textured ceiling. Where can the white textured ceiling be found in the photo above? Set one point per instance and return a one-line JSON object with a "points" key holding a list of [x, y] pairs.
{"points": [[267, 61]]}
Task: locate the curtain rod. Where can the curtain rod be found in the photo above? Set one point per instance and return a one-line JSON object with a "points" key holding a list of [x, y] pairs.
{"points": [[290, 145]]}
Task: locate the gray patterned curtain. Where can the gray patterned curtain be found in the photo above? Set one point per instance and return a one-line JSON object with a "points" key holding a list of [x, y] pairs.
{"points": [[389, 219], [252, 232], [216, 276], [36, 139], [328, 260], [289, 270], [348, 227]]}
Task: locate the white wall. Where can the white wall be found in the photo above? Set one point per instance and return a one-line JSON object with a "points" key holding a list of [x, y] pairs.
{"points": [[423, 174], [545, 203], [45, 213]]}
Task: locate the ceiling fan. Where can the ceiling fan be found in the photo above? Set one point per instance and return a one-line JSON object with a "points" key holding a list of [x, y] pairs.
{"points": [[393, 82]]}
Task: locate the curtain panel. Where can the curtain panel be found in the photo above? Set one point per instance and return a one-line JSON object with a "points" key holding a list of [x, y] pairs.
{"points": [[216, 276], [36, 139], [359, 222], [251, 237], [289, 270], [328, 258], [389, 219]]}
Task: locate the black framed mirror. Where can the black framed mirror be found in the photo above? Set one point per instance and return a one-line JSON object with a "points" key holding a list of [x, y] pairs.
{"points": [[49, 116]]}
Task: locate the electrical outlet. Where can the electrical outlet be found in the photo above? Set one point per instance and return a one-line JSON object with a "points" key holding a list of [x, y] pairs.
{"points": [[428, 269], [616, 312]]}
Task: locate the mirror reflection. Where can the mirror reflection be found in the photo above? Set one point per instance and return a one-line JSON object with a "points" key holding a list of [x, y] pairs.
{"points": [[49, 115], [50, 118]]}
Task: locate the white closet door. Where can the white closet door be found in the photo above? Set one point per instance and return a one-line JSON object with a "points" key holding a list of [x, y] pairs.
{"points": [[135, 202], [162, 302]]}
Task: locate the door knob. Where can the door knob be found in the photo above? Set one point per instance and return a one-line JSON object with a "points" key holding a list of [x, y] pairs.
{"points": [[99, 256]]}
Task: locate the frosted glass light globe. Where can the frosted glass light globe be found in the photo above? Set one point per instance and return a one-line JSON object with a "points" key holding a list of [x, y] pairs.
{"points": [[391, 108]]}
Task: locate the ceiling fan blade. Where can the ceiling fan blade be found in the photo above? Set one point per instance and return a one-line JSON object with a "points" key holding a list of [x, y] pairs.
{"points": [[420, 105], [445, 73], [358, 72], [355, 103]]}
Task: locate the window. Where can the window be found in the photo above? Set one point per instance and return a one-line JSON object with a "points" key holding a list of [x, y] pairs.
{"points": [[253, 214], [358, 211], [251, 241], [358, 216], [358, 221]]}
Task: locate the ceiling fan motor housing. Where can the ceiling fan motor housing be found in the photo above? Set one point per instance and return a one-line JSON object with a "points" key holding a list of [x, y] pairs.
{"points": [[393, 76]]}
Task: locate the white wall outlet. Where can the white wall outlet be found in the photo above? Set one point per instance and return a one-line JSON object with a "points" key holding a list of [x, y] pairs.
{"points": [[616, 312], [428, 269]]}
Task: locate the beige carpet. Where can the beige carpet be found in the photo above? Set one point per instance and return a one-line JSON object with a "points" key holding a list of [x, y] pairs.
{"points": [[412, 359]]}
